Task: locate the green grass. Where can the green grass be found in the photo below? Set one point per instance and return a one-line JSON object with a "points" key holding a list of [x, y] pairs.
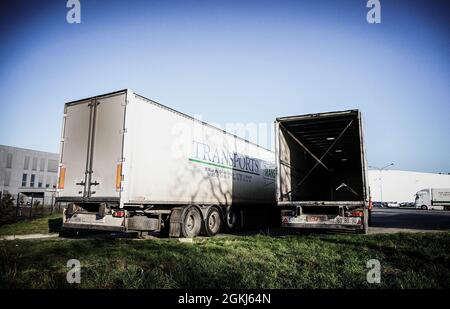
{"points": [[416, 260], [42, 225]]}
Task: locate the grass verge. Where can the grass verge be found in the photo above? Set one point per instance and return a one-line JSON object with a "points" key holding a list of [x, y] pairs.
{"points": [[413, 260], [44, 225]]}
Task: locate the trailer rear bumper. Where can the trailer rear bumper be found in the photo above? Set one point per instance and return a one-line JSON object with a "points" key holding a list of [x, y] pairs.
{"points": [[97, 227], [350, 227], [323, 222], [93, 221]]}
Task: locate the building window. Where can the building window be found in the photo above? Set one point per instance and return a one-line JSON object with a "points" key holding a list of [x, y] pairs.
{"points": [[26, 163], [47, 183], [9, 158], [41, 179], [34, 165], [42, 165], [52, 166], [24, 180], [32, 179], [7, 178]]}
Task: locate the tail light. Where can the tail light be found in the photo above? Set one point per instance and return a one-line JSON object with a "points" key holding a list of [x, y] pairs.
{"points": [[119, 213], [357, 214], [119, 177], [62, 177]]}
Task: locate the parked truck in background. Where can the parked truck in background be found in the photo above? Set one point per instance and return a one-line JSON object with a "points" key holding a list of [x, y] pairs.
{"points": [[129, 163], [433, 198], [322, 171]]}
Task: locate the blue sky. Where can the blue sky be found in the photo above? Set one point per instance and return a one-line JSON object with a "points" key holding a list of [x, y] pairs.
{"points": [[236, 61]]}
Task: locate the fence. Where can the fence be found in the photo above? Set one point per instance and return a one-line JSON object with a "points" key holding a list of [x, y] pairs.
{"points": [[33, 206], [26, 206], [37, 210]]}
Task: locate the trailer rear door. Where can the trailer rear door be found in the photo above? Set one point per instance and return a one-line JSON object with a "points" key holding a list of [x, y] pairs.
{"points": [[75, 149], [92, 148], [107, 147]]}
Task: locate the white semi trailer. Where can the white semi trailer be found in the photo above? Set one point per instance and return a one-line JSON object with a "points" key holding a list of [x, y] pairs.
{"points": [[131, 164], [433, 198], [322, 171]]}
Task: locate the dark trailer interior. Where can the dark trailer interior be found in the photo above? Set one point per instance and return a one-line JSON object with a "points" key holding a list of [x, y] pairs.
{"points": [[321, 158]]}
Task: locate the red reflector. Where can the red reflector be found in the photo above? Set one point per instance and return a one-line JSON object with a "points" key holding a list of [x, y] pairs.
{"points": [[357, 214], [119, 213]]}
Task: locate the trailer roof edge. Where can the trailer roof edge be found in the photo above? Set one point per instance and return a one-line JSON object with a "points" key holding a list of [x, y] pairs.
{"points": [[168, 108], [324, 114]]}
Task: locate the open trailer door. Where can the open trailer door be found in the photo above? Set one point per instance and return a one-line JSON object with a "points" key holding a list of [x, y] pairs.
{"points": [[322, 179]]}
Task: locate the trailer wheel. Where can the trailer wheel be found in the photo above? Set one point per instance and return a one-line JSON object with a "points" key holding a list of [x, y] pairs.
{"points": [[213, 221], [424, 207], [232, 219], [192, 222]]}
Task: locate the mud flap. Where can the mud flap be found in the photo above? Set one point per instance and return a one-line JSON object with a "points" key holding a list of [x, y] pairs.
{"points": [[175, 222]]}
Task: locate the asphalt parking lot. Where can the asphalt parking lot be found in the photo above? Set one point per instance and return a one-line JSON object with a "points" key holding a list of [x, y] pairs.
{"points": [[385, 220]]}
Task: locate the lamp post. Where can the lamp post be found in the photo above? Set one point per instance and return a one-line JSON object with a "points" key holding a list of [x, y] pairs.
{"points": [[381, 178]]}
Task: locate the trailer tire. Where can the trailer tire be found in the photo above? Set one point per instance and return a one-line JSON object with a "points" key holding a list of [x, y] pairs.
{"points": [[232, 219], [192, 222], [213, 221], [424, 207]]}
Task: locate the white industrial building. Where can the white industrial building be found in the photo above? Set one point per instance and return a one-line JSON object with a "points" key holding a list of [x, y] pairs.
{"points": [[401, 186], [30, 172]]}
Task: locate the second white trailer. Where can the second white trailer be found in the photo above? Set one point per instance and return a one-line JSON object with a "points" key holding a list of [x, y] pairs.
{"points": [[322, 171], [131, 164], [433, 198]]}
